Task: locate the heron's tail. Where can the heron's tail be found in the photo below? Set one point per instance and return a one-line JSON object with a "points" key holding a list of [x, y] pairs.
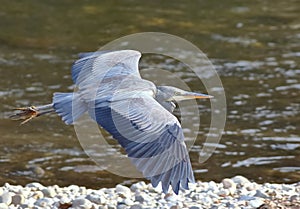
{"points": [[68, 106]]}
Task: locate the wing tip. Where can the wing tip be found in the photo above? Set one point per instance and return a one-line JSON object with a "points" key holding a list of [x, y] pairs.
{"points": [[177, 183]]}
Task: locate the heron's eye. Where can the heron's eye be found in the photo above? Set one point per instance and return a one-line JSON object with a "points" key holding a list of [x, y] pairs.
{"points": [[177, 93]]}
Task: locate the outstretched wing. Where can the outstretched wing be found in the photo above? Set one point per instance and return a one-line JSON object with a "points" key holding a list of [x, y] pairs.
{"points": [[93, 66], [121, 102], [151, 136]]}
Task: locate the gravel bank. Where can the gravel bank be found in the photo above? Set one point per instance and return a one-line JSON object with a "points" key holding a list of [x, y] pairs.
{"points": [[236, 192]]}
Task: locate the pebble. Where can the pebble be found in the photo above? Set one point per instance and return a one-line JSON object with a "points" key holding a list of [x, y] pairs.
{"points": [[121, 206], [44, 202], [228, 183], [194, 207], [295, 198], [223, 192], [138, 186], [123, 191], [3, 206], [136, 206], [236, 192], [97, 199], [6, 198], [128, 202], [35, 186], [261, 194], [140, 198], [49, 192], [240, 180], [251, 186], [256, 202], [38, 195], [82, 203], [18, 199]]}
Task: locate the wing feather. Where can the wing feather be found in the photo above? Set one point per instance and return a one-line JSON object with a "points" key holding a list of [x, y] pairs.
{"points": [[158, 151], [96, 65]]}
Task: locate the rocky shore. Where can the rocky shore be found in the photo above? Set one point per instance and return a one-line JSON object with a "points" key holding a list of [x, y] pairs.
{"points": [[236, 192]]}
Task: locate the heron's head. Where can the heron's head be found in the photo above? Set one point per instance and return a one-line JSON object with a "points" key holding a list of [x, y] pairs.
{"points": [[170, 93]]}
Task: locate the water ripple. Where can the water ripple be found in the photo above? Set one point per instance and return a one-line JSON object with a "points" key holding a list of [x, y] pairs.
{"points": [[260, 161]]}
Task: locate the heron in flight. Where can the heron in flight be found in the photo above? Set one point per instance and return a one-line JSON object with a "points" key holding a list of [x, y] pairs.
{"points": [[133, 110]]}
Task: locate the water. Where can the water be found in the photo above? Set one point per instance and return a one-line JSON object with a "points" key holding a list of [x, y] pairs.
{"points": [[253, 45]]}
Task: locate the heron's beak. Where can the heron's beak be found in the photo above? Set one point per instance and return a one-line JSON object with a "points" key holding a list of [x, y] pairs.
{"points": [[191, 95]]}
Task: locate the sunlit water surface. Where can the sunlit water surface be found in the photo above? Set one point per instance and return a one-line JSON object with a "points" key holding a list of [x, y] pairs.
{"points": [[254, 45]]}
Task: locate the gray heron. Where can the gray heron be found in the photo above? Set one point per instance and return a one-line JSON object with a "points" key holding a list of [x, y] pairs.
{"points": [[137, 113]]}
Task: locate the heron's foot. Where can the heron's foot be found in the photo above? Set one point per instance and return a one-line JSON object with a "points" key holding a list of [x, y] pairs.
{"points": [[25, 113]]}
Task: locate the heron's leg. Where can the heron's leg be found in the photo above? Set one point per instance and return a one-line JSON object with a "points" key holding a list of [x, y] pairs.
{"points": [[28, 113], [44, 109]]}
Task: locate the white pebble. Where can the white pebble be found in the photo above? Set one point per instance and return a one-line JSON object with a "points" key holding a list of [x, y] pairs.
{"points": [[35, 186], [250, 186], [240, 180], [3, 206], [157, 189], [30, 202], [44, 202], [171, 197], [256, 202], [98, 199], [73, 189], [65, 200], [38, 195], [287, 187], [25, 192], [223, 192], [123, 191], [192, 186], [206, 201], [109, 191], [82, 203], [121, 188], [212, 186], [138, 186], [261, 194], [82, 190], [228, 183], [49, 192], [6, 198], [196, 196], [110, 206], [128, 202]]}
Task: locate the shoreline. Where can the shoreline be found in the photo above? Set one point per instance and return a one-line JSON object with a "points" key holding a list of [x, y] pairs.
{"points": [[235, 192]]}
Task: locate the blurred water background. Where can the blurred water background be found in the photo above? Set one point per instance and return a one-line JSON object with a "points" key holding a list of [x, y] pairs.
{"points": [[254, 45]]}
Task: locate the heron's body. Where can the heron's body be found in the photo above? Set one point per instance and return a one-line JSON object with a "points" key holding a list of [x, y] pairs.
{"points": [[134, 111]]}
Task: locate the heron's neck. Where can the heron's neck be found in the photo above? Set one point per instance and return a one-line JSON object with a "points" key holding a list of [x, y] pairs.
{"points": [[161, 98]]}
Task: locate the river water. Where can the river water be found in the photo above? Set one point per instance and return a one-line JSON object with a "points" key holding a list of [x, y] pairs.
{"points": [[254, 46]]}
